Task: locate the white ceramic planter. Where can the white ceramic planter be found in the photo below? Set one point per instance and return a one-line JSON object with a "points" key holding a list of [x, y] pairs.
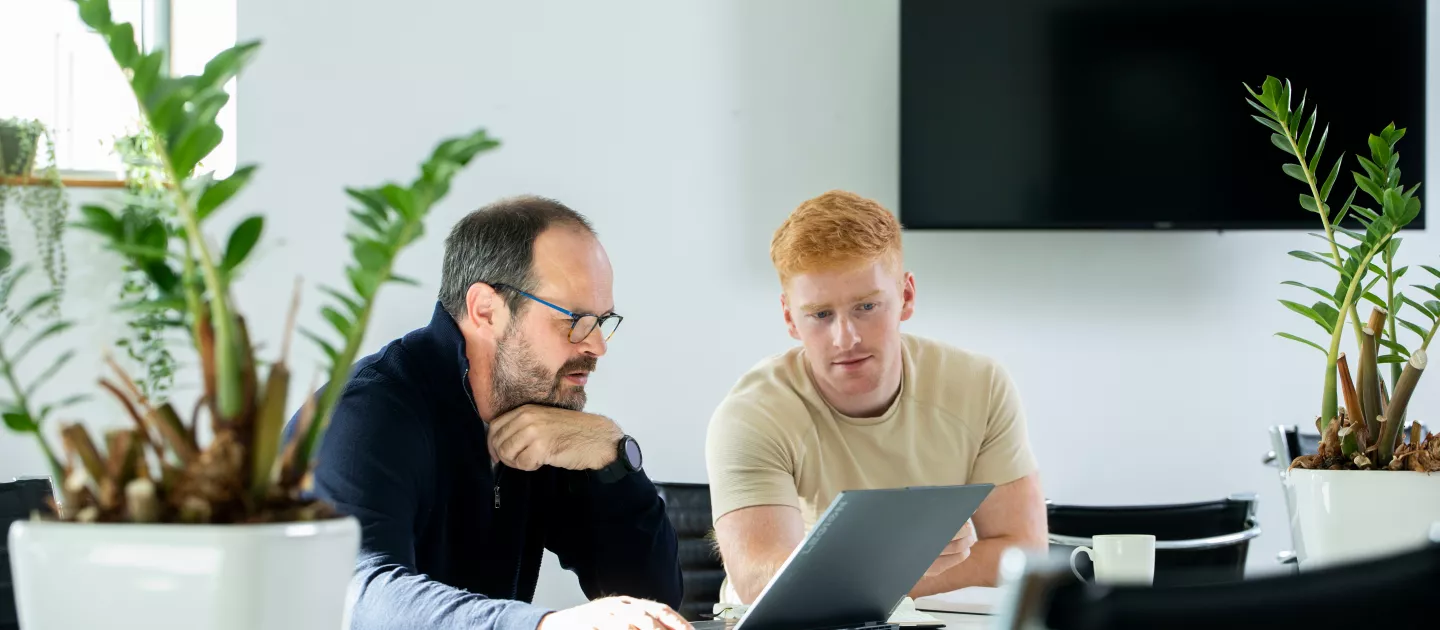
{"points": [[1347, 515], [192, 577]]}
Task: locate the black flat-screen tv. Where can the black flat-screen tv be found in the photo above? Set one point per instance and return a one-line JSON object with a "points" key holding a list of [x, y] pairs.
{"points": [[1131, 114]]}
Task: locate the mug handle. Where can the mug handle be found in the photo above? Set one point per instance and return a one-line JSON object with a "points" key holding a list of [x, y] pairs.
{"points": [[1089, 553]]}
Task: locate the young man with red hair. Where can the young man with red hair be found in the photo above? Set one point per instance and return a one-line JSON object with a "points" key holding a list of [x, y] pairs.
{"points": [[861, 405]]}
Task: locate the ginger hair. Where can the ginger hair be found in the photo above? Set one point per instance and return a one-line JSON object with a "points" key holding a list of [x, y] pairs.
{"points": [[835, 230]]}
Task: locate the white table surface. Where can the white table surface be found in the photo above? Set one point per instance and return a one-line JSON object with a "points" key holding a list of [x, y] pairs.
{"points": [[961, 621]]}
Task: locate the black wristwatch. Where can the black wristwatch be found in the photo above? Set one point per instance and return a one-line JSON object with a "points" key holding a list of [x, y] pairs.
{"points": [[628, 459]]}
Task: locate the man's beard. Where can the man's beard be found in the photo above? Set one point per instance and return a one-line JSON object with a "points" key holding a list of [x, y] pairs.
{"points": [[519, 378]]}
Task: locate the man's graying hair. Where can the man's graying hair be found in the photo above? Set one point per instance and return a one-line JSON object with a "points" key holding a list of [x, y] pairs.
{"points": [[496, 245]]}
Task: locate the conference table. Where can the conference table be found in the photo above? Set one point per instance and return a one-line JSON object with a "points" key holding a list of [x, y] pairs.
{"points": [[964, 621]]}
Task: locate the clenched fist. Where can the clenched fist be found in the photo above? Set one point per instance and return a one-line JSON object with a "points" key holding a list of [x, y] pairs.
{"points": [[531, 436], [955, 552]]}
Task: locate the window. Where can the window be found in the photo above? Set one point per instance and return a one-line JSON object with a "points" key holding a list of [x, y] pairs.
{"points": [[62, 74]]}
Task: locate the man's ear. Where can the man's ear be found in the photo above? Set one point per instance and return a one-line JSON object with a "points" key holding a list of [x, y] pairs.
{"points": [[485, 310], [907, 296], [789, 321]]}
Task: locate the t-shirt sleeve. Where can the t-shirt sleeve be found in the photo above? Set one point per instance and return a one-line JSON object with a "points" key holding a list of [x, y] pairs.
{"points": [[747, 459], [1005, 451]]}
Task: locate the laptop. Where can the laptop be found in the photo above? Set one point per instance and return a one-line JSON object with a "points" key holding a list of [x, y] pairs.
{"points": [[860, 560]]}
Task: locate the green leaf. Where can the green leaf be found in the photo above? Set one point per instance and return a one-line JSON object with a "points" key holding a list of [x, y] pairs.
{"points": [[4, 259], [242, 240], [52, 330], [363, 283], [1274, 126], [99, 220], [341, 324], [1433, 271], [1309, 126], [1399, 349], [95, 13], [221, 191], [371, 255], [1321, 292], [1280, 141], [1375, 299], [1268, 114], [1272, 95], [1379, 150], [1390, 358], [1434, 307], [400, 199], [1412, 210], [1320, 150], [1413, 327], [1328, 313], [1330, 179], [36, 303], [325, 346], [349, 303], [49, 372], [367, 221], [19, 422], [371, 200], [145, 71], [1394, 205], [1375, 174], [1370, 189], [1304, 341], [61, 404], [1350, 233], [1309, 256], [1295, 171], [122, 45], [1308, 312], [399, 279], [1434, 292], [1413, 304], [1307, 202], [193, 146], [224, 66]]}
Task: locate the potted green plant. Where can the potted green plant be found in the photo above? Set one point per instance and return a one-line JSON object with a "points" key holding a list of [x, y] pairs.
{"points": [[18, 139], [200, 520], [1369, 490], [40, 195]]}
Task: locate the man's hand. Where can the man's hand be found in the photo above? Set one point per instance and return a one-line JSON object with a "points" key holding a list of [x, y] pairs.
{"points": [[531, 436], [615, 613], [955, 552]]}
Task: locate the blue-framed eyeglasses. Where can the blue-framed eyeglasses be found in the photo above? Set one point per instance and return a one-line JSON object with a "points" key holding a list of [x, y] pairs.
{"points": [[581, 324]]}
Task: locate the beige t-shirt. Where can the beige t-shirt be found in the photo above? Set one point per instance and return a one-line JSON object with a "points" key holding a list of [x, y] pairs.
{"points": [[775, 441]]}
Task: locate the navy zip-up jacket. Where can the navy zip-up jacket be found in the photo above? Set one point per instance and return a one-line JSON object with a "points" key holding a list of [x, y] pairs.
{"points": [[445, 542]]}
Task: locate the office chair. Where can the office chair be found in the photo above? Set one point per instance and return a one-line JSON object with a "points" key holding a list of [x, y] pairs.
{"points": [[1389, 592], [687, 505], [1194, 542], [18, 499]]}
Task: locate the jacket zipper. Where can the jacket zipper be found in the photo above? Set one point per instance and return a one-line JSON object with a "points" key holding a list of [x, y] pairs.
{"points": [[470, 396]]}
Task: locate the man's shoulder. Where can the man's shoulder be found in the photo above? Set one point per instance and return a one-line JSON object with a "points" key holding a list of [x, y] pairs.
{"points": [[772, 390], [946, 375]]}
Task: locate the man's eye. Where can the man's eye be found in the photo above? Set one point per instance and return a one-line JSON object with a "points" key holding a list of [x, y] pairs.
{"points": [[868, 306], [820, 314]]}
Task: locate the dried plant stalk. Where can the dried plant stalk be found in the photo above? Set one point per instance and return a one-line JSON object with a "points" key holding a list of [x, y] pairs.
{"points": [[1404, 388], [1356, 441], [1369, 377]]}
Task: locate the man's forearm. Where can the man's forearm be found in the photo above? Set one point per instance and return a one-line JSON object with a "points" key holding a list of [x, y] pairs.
{"points": [[754, 577], [980, 569]]}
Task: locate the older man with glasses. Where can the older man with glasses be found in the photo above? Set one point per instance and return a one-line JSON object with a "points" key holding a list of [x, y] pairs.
{"points": [[463, 450]]}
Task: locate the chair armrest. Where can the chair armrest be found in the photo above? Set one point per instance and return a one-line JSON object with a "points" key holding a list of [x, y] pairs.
{"points": [[1209, 542]]}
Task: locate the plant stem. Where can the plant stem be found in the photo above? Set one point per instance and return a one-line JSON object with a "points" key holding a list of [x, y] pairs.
{"points": [[1329, 402], [1425, 344], [23, 403], [1391, 308], [1329, 231]]}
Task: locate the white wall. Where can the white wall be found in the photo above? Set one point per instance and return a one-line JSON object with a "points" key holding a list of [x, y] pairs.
{"points": [[687, 131]]}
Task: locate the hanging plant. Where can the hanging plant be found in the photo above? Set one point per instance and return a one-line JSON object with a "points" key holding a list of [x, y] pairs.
{"points": [[40, 195], [146, 203]]}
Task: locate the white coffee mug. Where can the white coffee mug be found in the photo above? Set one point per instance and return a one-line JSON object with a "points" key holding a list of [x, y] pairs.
{"points": [[1119, 559]]}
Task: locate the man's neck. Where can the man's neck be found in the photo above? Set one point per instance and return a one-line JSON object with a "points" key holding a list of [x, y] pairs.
{"points": [[869, 404]]}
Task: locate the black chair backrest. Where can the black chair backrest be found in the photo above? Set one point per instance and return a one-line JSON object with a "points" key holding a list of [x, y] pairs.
{"points": [[17, 500], [1173, 523], [688, 507], [1342, 596]]}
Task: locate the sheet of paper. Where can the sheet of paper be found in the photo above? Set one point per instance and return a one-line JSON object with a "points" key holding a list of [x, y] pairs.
{"points": [[976, 600]]}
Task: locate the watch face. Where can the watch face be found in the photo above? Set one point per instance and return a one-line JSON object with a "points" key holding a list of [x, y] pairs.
{"points": [[632, 453]]}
